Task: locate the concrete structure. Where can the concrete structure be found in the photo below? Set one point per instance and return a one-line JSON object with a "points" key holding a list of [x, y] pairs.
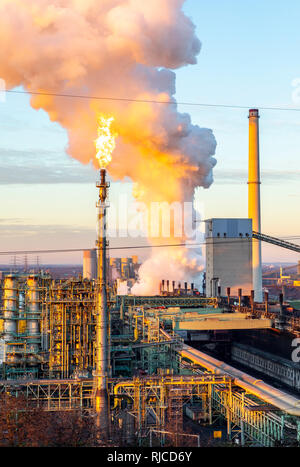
{"points": [[207, 319], [228, 256], [90, 264], [259, 388], [254, 201]]}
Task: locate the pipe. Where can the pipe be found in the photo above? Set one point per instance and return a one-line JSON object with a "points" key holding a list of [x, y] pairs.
{"points": [[252, 299], [266, 298], [273, 396], [254, 200], [281, 303], [228, 295], [240, 297]]}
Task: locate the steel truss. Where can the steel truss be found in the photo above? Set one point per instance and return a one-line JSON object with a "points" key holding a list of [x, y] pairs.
{"points": [[246, 420], [52, 395], [156, 401], [124, 301]]}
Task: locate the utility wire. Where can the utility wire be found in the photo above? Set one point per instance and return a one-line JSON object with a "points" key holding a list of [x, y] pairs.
{"points": [[146, 101], [130, 247]]}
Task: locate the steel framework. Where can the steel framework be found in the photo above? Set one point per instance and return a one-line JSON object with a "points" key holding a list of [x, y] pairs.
{"points": [[52, 395]]}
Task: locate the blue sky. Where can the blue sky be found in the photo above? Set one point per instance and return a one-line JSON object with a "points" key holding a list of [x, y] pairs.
{"points": [[249, 58]]}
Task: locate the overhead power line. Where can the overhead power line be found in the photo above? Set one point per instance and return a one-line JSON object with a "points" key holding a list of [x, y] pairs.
{"points": [[123, 247], [131, 247], [150, 101]]}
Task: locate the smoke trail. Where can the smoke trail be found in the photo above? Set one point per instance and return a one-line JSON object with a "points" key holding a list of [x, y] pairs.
{"points": [[119, 48]]}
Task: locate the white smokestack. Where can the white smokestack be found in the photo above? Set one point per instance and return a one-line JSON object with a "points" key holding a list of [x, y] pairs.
{"points": [[254, 200]]}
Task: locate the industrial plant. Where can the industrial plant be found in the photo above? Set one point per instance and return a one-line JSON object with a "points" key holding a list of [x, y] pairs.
{"points": [[197, 365]]}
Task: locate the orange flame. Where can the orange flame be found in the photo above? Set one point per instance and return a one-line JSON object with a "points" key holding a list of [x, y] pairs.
{"points": [[105, 143]]}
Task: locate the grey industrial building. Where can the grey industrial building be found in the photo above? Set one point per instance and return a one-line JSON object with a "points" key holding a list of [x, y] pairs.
{"points": [[228, 256]]}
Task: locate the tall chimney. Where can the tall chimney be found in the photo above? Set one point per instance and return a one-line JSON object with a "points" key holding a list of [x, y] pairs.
{"points": [[102, 331], [254, 201]]}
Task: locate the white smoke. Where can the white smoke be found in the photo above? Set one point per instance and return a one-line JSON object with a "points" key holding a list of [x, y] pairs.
{"points": [[123, 49]]}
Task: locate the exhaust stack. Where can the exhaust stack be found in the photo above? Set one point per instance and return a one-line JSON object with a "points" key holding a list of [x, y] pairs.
{"points": [[254, 201], [102, 357]]}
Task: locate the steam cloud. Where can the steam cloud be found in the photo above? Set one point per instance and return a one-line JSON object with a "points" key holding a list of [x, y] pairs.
{"points": [[124, 49]]}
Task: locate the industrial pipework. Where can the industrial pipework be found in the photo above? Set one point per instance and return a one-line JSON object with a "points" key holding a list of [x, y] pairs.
{"points": [[33, 316], [254, 201], [101, 366]]}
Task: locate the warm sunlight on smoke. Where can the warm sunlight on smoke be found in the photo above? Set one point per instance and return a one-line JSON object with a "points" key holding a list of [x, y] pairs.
{"points": [[122, 54], [105, 143]]}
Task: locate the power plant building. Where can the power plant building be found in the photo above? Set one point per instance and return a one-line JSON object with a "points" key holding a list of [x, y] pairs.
{"points": [[228, 256]]}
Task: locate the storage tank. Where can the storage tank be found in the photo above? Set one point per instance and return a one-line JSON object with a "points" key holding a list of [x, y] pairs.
{"points": [[10, 307]]}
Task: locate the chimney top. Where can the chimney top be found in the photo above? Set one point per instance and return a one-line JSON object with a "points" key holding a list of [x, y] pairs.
{"points": [[253, 113]]}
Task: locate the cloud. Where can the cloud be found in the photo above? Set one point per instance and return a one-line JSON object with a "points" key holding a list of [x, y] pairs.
{"points": [[41, 166], [240, 176]]}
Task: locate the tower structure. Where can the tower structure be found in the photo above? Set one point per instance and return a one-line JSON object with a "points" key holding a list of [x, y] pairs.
{"points": [[102, 331], [254, 201]]}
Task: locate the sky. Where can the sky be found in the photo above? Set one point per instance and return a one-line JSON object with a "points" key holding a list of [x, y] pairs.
{"points": [[249, 58]]}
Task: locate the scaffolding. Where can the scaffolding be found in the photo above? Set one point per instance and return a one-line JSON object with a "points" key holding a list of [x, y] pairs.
{"points": [[69, 309], [52, 395], [156, 401]]}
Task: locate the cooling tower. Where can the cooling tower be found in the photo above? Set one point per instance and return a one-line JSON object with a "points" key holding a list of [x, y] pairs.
{"points": [[90, 264]]}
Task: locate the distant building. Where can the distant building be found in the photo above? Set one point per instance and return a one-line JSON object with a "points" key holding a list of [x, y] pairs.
{"points": [[123, 268], [118, 268], [228, 256]]}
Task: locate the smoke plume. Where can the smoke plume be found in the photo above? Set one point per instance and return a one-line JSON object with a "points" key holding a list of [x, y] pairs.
{"points": [[124, 49]]}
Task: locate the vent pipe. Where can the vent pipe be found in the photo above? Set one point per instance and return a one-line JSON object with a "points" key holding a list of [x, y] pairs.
{"points": [[102, 331]]}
